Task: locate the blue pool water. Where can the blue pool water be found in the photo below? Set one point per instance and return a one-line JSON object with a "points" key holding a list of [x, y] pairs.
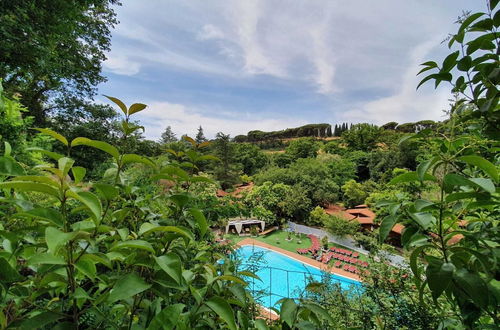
{"points": [[282, 276]]}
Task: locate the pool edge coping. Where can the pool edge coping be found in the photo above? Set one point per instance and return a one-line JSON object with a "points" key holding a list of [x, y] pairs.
{"points": [[313, 263]]}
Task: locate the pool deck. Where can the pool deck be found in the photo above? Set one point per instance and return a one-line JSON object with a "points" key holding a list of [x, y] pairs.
{"points": [[303, 259]]}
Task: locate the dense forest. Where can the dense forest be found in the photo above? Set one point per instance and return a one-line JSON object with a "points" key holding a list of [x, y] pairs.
{"points": [[101, 227]]}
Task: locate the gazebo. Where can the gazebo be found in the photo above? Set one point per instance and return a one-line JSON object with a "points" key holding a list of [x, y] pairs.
{"points": [[241, 225]]}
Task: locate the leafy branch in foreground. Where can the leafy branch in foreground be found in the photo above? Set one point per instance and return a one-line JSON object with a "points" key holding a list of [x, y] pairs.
{"points": [[453, 236]]}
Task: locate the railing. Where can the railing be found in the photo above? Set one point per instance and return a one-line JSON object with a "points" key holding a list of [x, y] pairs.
{"points": [[268, 297]]}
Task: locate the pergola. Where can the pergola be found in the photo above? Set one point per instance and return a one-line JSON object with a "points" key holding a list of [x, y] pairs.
{"points": [[239, 225]]}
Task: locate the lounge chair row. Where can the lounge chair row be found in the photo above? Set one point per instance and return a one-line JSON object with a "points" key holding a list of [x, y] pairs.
{"points": [[350, 260], [344, 251], [348, 268], [315, 246]]}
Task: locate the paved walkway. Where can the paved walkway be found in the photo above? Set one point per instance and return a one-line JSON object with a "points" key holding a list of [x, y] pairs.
{"points": [[303, 259]]}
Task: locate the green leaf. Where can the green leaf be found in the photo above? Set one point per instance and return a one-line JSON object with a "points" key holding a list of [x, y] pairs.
{"points": [[30, 186], [46, 259], [473, 285], [288, 310], [107, 191], [454, 180], [171, 264], [7, 149], [439, 275], [47, 153], [424, 219], [171, 229], [65, 164], [87, 266], [168, 318], [55, 135], [119, 103], [180, 200], [230, 278], [8, 274], [90, 200], [126, 287], [55, 239], [411, 177], [483, 164], [223, 309], [450, 61], [104, 146], [133, 158], [136, 107], [10, 167], [468, 21], [50, 215], [39, 321], [414, 261], [464, 64], [485, 184], [78, 173], [200, 220], [423, 167], [260, 324], [133, 244], [386, 226], [319, 311]]}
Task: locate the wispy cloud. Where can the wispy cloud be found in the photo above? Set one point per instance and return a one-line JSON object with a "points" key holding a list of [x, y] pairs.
{"points": [[301, 61]]}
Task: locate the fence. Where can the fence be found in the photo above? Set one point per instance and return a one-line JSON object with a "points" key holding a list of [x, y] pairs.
{"points": [[277, 283], [347, 242]]}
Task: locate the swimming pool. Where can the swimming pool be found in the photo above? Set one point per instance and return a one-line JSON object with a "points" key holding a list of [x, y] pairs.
{"points": [[282, 276]]}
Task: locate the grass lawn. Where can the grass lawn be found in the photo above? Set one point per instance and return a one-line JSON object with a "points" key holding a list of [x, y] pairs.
{"points": [[278, 238]]}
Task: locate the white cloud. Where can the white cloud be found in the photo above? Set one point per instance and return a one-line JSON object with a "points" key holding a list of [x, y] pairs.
{"points": [[407, 104], [186, 120], [209, 31], [121, 65]]}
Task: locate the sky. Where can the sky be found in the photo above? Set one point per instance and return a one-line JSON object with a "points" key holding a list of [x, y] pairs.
{"points": [[235, 66]]}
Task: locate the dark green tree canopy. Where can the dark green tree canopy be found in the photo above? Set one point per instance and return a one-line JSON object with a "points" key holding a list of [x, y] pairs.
{"points": [[53, 48]]}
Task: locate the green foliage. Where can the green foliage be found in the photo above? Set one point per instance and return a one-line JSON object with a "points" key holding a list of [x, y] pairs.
{"points": [[355, 193], [53, 50], [310, 130], [472, 69], [310, 175], [95, 254], [250, 157], [452, 261], [333, 224], [302, 148], [362, 137], [284, 201], [226, 172]]}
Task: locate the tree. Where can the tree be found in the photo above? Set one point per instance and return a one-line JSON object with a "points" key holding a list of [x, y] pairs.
{"points": [[200, 137], [168, 136], [390, 125], [250, 157], [309, 175], [303, 148], [228, 173], [355, 193], [362, 136], [53, 49], [284, 201]]}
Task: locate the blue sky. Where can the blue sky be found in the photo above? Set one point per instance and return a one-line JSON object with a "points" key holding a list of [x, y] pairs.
{"points": [[235, 66]]}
